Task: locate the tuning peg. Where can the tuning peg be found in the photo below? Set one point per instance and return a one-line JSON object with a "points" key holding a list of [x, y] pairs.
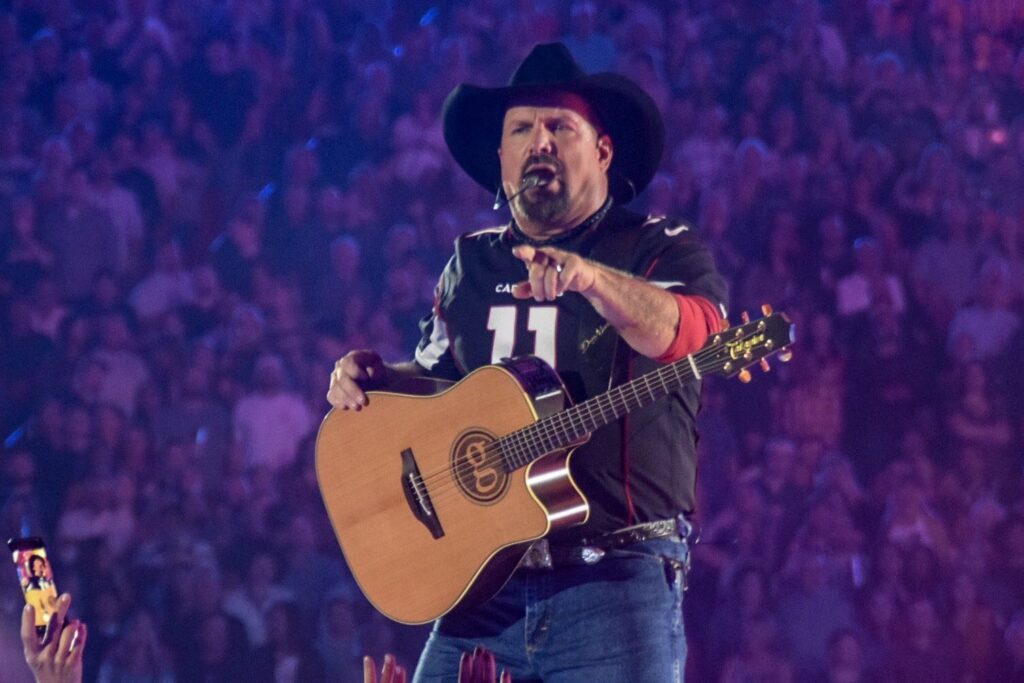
{"points": [[765, 366], [745, 317], [766, 309], [785, 356], [744, 376]]}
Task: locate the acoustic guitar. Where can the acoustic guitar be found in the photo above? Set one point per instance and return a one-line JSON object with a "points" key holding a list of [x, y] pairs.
{"points": [[436, 498]]}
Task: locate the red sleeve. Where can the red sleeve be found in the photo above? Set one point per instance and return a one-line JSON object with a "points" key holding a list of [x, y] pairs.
{"points": [[698, 319]]}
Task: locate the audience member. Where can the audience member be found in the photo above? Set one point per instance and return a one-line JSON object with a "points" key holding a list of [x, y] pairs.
{"points": [[201, 208]]}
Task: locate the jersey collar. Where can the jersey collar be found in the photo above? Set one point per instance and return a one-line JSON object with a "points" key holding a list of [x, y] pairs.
{"points": [[519, 237]]}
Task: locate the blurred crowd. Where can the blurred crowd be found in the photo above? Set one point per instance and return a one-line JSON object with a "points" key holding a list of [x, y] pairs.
{"points": [[204, 204]]}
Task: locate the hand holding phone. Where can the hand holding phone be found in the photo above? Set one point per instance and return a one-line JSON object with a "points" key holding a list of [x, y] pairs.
{"points": [[53, 645], [57, 656]]}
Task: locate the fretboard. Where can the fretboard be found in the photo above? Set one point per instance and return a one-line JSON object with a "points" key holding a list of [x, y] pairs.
{"points": [[559, 431]]}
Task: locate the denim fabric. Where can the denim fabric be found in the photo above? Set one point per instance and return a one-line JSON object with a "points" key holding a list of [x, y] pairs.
{"points": [[618, 620]]}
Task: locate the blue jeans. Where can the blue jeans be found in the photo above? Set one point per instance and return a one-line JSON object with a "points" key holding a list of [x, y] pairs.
{"points": [[618, 620]]}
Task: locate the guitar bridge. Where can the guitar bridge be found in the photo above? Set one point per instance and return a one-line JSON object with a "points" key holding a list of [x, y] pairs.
{"points": [[417, 496]]}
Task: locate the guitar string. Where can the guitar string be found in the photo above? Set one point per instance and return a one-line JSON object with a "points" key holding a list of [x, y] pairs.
{"points": [[552, 428], [445, 488], [524, 442], [448, 488], [555, 425]]}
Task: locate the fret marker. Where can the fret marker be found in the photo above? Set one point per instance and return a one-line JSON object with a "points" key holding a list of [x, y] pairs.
{"points": [[693, 366]]}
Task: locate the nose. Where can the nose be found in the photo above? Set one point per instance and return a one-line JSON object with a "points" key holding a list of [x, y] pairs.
{"points": [[542, 142]]}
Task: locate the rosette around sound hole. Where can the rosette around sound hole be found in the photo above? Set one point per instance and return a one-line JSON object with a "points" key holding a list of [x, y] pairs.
{"points": [[478, 467]]}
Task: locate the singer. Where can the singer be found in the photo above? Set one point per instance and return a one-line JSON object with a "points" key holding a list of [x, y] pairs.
{"points": [[602, 294]]}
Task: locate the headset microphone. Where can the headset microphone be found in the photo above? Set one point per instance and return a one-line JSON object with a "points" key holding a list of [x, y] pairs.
{"points": [[530, 181]]}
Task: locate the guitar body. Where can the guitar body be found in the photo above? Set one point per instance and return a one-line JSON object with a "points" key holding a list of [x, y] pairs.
{"points": [[424, 512]]}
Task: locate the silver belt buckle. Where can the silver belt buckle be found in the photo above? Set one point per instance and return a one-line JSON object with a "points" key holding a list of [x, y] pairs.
{"points": [[591, 555]]}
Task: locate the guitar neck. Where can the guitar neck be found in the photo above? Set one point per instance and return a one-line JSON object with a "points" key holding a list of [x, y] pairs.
{"points": [[560, 431], [727, 352]]}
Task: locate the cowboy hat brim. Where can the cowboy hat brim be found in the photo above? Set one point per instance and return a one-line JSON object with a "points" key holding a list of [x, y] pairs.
{"points": [[473, 118]]}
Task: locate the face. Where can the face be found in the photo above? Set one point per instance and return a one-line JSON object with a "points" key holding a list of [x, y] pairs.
{"points": [[555, 136]]}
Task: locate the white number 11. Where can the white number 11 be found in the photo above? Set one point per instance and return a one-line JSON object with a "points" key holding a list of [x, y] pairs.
{"points": [[542, 322]]}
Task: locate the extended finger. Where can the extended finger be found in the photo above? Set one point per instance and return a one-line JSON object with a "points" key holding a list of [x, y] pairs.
{"points": [[525, 253], [369, 670], [387, 672], [56, 623], [29, 637], [68, 635], [78, 643], [400, 676], [486, 666], [506, 677]]}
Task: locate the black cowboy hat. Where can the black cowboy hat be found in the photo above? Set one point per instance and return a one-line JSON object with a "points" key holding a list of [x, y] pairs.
{"points": [[473, 118]]}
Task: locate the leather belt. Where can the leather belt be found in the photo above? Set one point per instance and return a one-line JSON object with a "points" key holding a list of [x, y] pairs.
{"points": [[546, 555]]}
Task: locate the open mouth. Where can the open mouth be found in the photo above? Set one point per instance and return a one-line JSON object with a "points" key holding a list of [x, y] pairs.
{"points": [[544, 172]]}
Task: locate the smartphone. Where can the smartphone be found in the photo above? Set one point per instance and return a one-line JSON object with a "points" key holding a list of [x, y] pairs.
{"points": [[36, 577]]}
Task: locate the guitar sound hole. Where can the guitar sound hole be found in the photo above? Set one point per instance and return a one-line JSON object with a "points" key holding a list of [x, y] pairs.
{"points": [[478, 467]]}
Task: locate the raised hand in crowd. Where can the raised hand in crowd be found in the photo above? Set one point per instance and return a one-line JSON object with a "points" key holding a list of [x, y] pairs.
{"points": [[391, 672], [57, 656], [480, 667]]}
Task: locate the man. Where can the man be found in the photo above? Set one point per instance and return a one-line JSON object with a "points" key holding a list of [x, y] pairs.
{"points": [[602, 294]]}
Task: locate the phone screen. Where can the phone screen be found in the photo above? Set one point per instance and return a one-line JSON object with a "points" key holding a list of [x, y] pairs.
{"points": [[36, 577]]}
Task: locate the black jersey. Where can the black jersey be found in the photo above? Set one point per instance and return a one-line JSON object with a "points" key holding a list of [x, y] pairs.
{"points": [[638, 469]]}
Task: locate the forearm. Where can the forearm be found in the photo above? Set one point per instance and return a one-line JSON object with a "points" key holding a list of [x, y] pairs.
{"points": [[646, 316]]}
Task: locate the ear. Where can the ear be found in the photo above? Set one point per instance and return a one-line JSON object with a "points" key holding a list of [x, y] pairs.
{"points": [[605, 151]]}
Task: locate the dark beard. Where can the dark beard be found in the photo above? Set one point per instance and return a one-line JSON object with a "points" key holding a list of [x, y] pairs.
{"points": [[546, 207]]}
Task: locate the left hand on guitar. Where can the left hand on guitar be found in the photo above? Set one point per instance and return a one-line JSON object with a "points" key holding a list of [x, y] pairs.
{"points": [[552, 272], [358, 370]]}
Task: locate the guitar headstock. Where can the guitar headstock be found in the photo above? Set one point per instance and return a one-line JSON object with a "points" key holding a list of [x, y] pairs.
{"points": [[735, 349]]}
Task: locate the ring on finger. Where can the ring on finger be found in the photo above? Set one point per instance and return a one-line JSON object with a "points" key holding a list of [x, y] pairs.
{"points": [[559, 267]]}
